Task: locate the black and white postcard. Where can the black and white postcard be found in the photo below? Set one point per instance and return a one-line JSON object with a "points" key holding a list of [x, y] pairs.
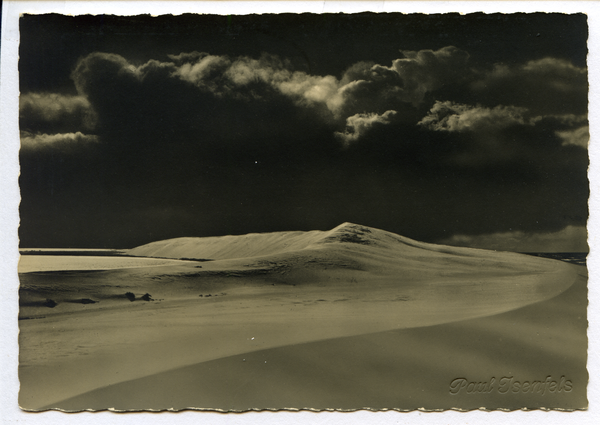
{"points": [[303, 211]]}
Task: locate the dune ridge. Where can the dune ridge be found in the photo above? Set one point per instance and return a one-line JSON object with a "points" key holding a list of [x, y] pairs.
{"points": [[263, 244], [347, 241]]}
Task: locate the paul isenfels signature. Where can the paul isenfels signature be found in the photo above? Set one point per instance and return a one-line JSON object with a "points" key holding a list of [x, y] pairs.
{"points": [[509, 384]]}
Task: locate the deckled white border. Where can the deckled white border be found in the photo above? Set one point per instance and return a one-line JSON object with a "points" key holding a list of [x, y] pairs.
{"points": [[9, 219]]}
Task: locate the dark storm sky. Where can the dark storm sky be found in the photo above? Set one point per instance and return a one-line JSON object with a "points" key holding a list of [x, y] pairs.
{"points": [[135, 129]]}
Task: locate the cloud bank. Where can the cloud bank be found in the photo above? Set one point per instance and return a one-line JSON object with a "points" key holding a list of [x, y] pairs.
{"points": [[430, 142], [53, 112], [570, 239]]}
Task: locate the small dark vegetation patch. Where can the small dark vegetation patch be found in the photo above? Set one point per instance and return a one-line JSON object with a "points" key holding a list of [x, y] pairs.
{"points": [[87, 301], [32, 317], [147, 297], [130, 296], [194, 259], [50, 303]]}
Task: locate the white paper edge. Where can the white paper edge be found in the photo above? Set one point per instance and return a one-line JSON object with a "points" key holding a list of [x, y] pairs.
{"points": [[9, 218]]}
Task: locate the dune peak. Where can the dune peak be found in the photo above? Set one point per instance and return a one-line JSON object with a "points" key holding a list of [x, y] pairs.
{"points": [[344, 236]]}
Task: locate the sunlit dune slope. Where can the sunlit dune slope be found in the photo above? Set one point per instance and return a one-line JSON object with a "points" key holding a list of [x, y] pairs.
{"points": [[263, 244], [347, 246]]}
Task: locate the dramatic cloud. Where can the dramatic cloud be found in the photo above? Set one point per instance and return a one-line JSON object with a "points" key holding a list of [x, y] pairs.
{"points": [[244, 76], [61, 141], [52, 112], [376, 88], [544, 86], [578, 137], [99, 69], [207, 73], [569, 239], [363, 87], [428, 70], [313, 90], [259, 131], [190, 57], [505, 134], [358, 124], [449, 116]]}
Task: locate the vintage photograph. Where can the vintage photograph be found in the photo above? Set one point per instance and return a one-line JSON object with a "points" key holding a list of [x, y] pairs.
{"points": [[349, 211]]}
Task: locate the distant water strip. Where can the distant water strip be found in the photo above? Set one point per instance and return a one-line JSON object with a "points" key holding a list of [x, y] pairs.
{"points": [[48, 263], [578, 258]]}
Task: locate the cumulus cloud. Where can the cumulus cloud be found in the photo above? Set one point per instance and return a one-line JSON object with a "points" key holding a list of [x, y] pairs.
{"points": [[570, 239], [138, 98], [409, 78], [205, 98], [358, 124], [487, 135], [312, 90], [449, 116], [577, 137], [102, 76], [213, 107], [428, 70], [209, 123], [190, 57], [252, 79], [97, 71], [364, 87], [63, 141], [375, 88], [206, 73], [55, 112], [506, 137], [544, 86]]}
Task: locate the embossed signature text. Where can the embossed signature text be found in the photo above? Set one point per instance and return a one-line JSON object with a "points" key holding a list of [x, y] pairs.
{"points": [[508, 384]]}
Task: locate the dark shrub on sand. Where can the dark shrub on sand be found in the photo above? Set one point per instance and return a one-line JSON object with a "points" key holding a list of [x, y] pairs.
{"points": [[87, 301], [130, 296], [147, 297], [50, 303]]}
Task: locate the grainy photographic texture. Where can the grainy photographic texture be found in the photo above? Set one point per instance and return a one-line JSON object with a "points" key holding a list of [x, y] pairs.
{"points": [[369, 211]]}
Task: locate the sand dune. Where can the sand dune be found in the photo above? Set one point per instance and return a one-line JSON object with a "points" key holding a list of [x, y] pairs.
{"points": [[386, 244], [407, 369], [267, 292]]}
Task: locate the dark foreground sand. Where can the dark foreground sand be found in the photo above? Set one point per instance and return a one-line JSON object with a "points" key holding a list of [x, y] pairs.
{"points": [[382, 325]]}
